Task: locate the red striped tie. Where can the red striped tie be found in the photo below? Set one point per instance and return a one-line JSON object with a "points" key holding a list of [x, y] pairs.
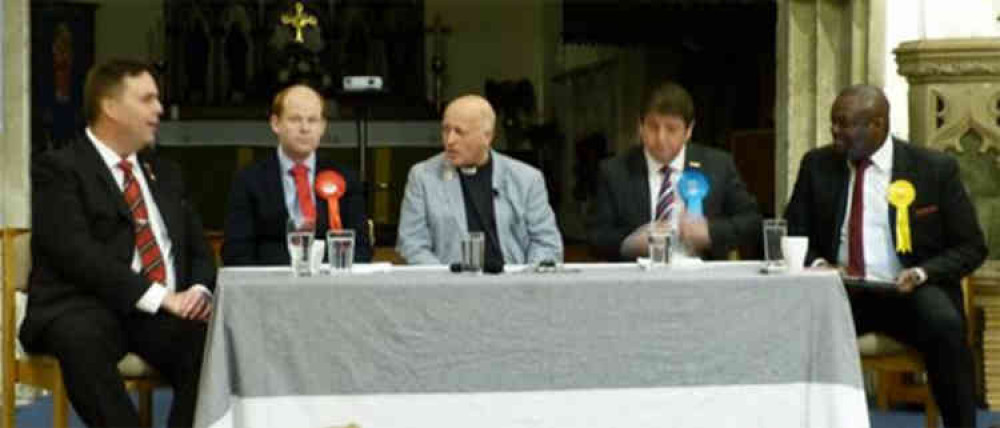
{"points": [[145, 242]]}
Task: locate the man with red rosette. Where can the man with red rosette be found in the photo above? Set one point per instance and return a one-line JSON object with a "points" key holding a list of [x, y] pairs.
{"points": [[267, 194]]}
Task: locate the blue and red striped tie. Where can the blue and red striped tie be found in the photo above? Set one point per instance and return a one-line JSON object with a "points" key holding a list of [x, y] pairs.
{"points": [[665, 199]]}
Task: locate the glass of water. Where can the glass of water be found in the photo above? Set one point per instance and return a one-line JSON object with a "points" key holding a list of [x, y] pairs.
{"points": [[774, 230], [340, 247], [660, 243], [473, 246], [300, 242]]}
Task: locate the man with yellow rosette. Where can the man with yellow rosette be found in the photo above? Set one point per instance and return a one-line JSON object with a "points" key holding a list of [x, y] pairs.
{"points": [[888, 212]]}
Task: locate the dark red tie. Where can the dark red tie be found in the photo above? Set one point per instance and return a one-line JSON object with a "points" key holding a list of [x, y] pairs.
{"points": [[145, 242], [665, 199], [856, 226], [306, 205]]}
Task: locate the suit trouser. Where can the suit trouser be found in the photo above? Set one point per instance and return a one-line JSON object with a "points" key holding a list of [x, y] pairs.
{"points": [[929, 321], [90, 342]]}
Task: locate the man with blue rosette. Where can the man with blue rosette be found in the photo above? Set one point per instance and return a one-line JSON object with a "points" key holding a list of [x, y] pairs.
{"points": [[693, 190]]}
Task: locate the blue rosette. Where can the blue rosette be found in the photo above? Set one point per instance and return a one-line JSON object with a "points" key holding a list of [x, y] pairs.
{"points": [[693, 187]]}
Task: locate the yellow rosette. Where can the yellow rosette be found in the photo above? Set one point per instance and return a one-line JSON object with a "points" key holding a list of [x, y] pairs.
{"points": [[901, 195]]}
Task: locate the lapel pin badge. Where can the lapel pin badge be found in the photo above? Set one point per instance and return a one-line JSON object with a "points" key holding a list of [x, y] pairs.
{"points": [[149, 171]]}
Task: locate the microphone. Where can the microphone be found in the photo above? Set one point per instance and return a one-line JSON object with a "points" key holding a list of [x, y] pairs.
{"points": [[489, 266], [493, 266]]}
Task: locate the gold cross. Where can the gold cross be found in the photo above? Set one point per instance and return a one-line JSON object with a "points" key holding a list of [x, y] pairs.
{"points": [[298, 21]]}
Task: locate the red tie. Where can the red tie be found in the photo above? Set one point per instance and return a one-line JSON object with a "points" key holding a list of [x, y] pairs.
{"points": [[856, 228], [301, 175], [145, 242], [665, 199]]}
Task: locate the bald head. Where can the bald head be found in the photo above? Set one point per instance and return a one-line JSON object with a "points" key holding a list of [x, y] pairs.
{"points": [[474, 105], [859, 120], [871, 99], [467, 130]]}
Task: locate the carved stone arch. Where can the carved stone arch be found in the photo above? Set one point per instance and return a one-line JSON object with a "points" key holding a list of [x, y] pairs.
{"points": [[966, 74], [944, 107], [995, 107], [950, 137]]}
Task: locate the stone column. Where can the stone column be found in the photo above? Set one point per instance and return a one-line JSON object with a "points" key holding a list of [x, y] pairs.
{"points": [[954, 102], [15, 133], [823, 46], [15, 148]]}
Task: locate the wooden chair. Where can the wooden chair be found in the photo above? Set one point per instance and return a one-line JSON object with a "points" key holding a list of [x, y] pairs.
{"points": [[890, 362], [43, 370]]}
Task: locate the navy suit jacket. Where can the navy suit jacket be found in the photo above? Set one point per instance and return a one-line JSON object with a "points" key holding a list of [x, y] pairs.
{"points": [[622, 203], [83, 237], [257, 215], [947, 241]]}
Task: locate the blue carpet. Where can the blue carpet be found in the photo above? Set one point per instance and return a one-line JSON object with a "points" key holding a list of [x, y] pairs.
{"points": [[39, 415]]}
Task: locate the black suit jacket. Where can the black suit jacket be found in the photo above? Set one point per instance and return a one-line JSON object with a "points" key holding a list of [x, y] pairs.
{"points": [[83, 237], [622, 202], [256, 218], [947, 241]]}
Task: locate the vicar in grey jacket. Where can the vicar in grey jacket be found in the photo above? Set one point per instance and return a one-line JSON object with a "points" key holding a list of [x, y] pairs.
{"points": [[470, 187]]}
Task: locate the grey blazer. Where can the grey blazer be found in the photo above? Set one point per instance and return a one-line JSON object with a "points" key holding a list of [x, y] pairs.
{"points": [[432, 219]]}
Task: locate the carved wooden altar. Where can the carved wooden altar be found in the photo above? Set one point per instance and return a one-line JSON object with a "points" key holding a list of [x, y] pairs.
{"points": [[226, 59]]}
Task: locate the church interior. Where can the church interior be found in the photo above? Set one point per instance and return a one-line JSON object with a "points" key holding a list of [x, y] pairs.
{"points": [[563, 75], [559, 74]]}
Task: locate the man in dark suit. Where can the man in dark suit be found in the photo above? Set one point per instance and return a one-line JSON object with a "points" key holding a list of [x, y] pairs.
{"points": [[119, 260], [266, 194], [847, 199], [636, 189]]}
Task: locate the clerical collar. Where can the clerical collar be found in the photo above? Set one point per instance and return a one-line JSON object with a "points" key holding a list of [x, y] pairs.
{"points": [[469, 171]]}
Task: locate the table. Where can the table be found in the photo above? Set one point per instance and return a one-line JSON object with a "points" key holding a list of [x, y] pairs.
{"points": [[710, 346]]}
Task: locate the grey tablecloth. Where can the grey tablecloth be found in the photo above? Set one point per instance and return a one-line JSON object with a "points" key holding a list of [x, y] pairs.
{"points": [[724, 324]]}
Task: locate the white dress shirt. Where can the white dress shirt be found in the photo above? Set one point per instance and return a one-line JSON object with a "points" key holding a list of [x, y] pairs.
{"points": [[656, 177], [152, 299], [288, 183], [881, 261]]}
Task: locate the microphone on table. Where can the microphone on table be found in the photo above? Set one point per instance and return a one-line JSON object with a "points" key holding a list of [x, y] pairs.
{"points": [[489, 266]]}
